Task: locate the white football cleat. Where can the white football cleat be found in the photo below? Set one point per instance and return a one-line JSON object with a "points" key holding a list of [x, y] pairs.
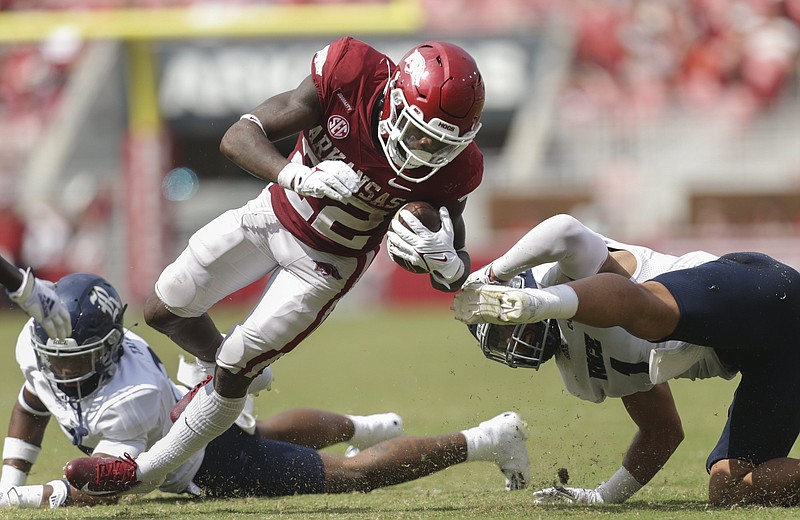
{"points": [[191, 373], [262, 381], [351, 451], [372, 429], [507, 434]]}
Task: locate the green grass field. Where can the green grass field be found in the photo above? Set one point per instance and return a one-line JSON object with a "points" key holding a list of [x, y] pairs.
{"points": [[425, 366]]}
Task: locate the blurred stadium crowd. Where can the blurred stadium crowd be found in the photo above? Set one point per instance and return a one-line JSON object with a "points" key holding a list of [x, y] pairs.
{"points": [[633, 65], [704, 54]]}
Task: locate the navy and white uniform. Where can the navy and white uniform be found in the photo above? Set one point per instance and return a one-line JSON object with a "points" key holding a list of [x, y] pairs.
{"points": [[129, 412], [596, 363], [738, 313]]}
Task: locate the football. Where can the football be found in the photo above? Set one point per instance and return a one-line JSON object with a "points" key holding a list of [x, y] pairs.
{"points": [[429, 216]]}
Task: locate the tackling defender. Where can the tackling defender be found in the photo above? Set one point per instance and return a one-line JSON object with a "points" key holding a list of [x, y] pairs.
{"points": [[110, 394], [372, 136], [36, 297], [699, 316]]}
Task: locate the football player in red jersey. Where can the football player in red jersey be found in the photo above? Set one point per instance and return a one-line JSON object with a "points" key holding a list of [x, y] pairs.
{"points": [[373, 135]]}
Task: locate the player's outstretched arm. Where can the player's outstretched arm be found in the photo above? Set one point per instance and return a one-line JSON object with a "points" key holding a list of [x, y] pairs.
{"points": [[37, 298], [10, 275], [659, 435], [660, 432], [21, 448]]}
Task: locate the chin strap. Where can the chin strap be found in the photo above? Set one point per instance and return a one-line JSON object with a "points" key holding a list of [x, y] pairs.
{"points": [[80, 431]]}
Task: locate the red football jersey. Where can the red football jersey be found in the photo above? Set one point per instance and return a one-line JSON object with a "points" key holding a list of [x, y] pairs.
{"points": [[350, 77]]}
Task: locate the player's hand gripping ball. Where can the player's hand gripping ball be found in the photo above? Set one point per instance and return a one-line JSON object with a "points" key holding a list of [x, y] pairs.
{"points": [[429, 217]]}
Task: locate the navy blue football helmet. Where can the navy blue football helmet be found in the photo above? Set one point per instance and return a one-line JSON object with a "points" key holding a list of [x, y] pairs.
{"points": [[525, 345], [78, 365]]}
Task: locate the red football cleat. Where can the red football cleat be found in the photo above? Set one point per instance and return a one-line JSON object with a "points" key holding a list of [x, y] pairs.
{"points": [[99, 476], [184, 401]]}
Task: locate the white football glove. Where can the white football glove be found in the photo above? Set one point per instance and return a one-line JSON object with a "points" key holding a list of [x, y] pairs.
{"points": [[333, 179], [394, 252], [397, 247], [498, 304], [433, 251], [6, 498], [480, 276], [38, 298], [30, 497], [567, 495]]}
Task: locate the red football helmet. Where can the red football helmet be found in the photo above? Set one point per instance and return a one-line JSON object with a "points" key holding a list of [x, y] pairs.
{"points": [[432, 109]]}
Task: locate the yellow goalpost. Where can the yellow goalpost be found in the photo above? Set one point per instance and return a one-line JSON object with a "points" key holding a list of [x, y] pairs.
{"points": [[215, 20]]}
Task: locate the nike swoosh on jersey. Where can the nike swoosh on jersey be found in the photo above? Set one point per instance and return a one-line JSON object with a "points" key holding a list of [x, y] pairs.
{"points": [[393, 183]]}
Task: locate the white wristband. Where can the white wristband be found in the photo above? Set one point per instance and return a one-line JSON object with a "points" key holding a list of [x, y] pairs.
{"points": [[20, 294], [14, 448], [61, 493], [12, 477], [619, 488], [256, 120]]}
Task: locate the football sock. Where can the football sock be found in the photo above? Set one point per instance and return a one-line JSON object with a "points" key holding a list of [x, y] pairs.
{"points": [[480, 444], [206, 417], [372, 429]]}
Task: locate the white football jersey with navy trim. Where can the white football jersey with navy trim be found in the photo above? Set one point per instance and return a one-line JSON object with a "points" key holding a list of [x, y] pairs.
{"points": [[609, 362]]}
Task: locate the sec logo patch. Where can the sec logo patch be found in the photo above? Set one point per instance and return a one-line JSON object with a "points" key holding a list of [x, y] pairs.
{"points": [[338, 127]]}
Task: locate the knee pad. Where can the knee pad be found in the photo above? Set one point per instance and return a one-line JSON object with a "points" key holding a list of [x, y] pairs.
{"points": [[177, 289]]}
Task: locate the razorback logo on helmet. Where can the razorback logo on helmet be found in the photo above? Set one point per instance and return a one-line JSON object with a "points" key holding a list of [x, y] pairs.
{"points": [[415, 67], [338, 127], [105, 302]]}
